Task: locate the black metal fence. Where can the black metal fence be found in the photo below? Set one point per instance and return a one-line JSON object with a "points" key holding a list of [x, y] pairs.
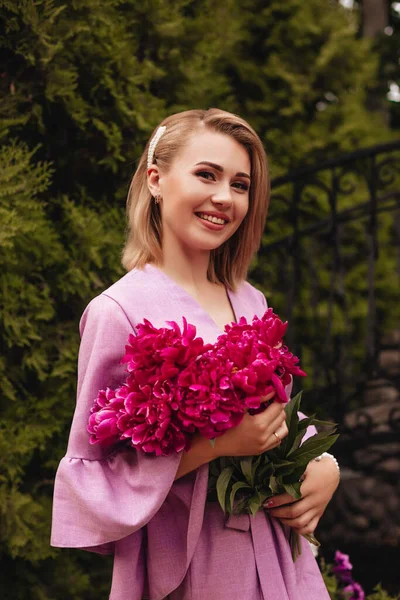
{"points": [[330, 263]]}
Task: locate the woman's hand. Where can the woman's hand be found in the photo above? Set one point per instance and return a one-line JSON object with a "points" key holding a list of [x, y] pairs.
{"points": [[319, 484], [256, 433]]}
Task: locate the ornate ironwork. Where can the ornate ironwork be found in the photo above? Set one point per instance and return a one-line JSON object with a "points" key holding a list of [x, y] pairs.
{"points": [[330, 263]]}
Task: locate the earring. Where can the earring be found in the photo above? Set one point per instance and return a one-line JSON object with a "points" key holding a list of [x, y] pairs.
{"points": [[157, 199]]}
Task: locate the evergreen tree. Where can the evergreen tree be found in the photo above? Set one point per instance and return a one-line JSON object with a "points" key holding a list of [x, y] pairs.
{"points": [[301, 76]]}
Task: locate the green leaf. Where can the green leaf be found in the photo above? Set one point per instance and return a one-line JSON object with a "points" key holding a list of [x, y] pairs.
{"points": [[298, 439], [292, 421], [239, 485], [312, 539], [257, 462], [279, 484], [295, 475], [329, 424], [284, 471], [248, 469], [298, 544], [255, 504], [264, 472], [273, 485], [304, 423], [313, 447], [292, 408], [241, 506], [264, 495], [278, 463], [293, 489], [222, 485]]}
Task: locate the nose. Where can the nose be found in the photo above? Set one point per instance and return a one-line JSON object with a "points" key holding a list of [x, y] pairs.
{"points": [[222, 196]]}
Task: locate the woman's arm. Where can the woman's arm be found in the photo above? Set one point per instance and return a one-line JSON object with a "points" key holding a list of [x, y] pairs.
{"points": [[254, 435], [102, 495], [200, 453]]}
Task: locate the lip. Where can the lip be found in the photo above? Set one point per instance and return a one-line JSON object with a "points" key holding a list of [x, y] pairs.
{"points": [[209, 225], [219, 215]]}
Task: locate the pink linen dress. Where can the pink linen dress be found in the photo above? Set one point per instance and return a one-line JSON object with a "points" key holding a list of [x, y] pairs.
{"points": [[167, 540]]}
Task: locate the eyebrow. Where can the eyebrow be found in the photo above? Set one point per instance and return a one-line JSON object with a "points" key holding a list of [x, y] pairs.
{"points": [[219, 168]]}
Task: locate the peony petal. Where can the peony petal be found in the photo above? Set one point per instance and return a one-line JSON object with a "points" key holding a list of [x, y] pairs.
{"points": [[280, 390]]}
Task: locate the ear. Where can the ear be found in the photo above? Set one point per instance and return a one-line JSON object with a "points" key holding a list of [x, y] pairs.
{"points": [[153, 180]]}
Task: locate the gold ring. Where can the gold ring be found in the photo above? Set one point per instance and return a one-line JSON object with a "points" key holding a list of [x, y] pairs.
{"points": [[277, 436]]}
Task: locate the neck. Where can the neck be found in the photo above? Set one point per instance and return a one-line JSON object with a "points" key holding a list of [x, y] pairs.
{"points": [[187, 268]]}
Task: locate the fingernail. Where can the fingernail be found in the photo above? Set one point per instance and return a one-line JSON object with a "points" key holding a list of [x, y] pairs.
{"points": [[268, 504]]}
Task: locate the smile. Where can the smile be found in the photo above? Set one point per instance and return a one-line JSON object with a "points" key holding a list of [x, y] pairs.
{"points": [[216, 220]]}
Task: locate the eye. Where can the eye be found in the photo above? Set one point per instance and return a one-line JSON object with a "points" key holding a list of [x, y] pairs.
{"points": [[242, 186], [206, 174], [211, 177]]}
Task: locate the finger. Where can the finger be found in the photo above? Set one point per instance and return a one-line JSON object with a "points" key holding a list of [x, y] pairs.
{"points": [[282, 431], [301, 523], [274, 422], [273, 411], [279, 500], [270, 420], [310, 527], [268, 396], [292, 511], [276, 437], [272, 442], [276, 432]]}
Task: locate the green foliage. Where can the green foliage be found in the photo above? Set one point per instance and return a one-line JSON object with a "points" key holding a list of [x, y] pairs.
{"points": [[304, 106], [380, 594], [47, 276], [83, 83]]}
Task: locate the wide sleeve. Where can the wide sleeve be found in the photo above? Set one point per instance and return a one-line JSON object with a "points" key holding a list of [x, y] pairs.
{"points": [[101, 496]]}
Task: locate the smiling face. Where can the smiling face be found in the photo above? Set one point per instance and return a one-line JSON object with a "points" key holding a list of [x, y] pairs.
{"points": [[208, 181]]}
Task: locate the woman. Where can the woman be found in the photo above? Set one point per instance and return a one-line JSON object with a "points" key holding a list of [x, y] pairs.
{"points": [[196, 208]]}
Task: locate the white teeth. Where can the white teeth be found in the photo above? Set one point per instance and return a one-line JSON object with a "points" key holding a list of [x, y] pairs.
{"points": [[212, 219]]}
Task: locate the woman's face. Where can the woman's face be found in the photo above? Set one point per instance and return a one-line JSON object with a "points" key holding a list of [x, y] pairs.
{"points": [[209, 179]]}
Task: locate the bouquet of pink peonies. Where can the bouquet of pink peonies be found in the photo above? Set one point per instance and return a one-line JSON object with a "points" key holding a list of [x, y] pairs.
{"points": [[177, 385]]}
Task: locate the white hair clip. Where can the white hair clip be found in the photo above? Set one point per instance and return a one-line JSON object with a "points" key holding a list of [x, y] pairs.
{"points": [[153, 144]]}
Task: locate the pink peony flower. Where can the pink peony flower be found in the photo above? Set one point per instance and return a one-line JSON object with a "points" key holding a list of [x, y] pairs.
{"points": [[104, 416], [166, 349], [150, 424], [144, 415], [207, 399], [261, 362]]}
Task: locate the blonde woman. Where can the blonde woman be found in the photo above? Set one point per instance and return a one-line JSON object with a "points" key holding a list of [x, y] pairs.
{"points": [[196, 209]]}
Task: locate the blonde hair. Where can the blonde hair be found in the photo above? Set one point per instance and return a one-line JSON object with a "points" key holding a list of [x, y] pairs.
{"points": [[230, 262]]}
